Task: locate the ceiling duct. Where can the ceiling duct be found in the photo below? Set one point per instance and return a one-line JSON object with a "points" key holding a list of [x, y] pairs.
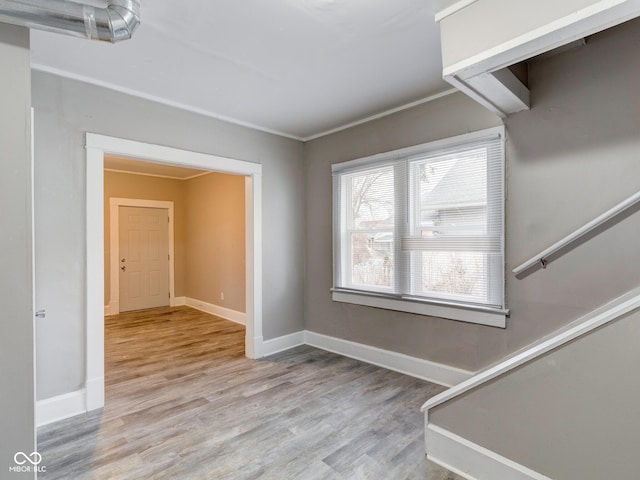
{"points": [[117, 21]]}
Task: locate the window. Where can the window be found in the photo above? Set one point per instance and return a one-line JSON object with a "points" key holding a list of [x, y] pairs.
{"points": [[421, 229]]}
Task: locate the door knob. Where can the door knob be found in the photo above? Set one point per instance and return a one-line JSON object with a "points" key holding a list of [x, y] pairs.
{"points": [[123, 268]]}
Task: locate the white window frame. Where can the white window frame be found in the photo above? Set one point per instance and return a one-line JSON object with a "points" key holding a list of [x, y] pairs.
{"points": [[449, 308]]}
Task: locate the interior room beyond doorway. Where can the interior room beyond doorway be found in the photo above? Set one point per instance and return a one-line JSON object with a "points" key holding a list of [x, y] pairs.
{"points": [[206, 237]]}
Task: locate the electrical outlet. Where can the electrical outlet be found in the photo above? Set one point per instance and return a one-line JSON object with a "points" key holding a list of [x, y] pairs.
{"points": [[221, 295]]}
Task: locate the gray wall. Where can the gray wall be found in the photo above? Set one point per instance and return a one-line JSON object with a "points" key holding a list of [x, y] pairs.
{"points": [[16, 281], [446, 341], [570, 158], [570, 415], [65, 110]]}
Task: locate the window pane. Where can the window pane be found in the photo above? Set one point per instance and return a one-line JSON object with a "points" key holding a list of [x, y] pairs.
{"points": [[372, 202], [453, 193], [425, 224], [455, 273], [372, 259]]}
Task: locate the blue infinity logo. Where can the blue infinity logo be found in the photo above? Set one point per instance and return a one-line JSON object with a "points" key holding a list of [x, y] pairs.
{"points": [[21, 458]]}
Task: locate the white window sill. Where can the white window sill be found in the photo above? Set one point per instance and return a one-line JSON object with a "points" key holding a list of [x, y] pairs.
{"points": [[463, 313]]}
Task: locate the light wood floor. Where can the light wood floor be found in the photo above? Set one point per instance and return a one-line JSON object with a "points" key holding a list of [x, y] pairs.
{"points": [[183, 402]]}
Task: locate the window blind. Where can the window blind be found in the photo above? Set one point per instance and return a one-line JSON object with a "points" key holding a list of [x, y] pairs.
{"points": [[424, 224]]}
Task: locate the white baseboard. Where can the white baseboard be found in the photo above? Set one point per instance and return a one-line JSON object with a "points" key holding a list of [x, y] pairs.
{"points": [[173, 302], [227, 313], [415, 367], [58, 408], [177, 301], [472, 461], [280, 344], [112, 308], [94, 393], [92, 397]]}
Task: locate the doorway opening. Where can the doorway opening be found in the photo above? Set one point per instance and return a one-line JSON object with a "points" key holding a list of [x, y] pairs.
{"points": [[99, 145]]}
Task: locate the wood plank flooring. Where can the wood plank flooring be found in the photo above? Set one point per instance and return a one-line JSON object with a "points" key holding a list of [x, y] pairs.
{"points": [[183, 402]]}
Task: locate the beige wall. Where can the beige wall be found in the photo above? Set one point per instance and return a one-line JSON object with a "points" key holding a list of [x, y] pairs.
{"points": [[209, 232], [215, 240], [123, 185]]}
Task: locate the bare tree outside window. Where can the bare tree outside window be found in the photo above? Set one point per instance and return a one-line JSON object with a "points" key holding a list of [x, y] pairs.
{"points": [[372, 209]]}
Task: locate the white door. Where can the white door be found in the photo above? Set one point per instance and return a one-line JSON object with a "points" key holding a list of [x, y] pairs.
{"points": [[144, 258]]}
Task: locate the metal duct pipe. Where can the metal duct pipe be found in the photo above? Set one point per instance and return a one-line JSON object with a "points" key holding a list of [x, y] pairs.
{"points": [[113, 23]]}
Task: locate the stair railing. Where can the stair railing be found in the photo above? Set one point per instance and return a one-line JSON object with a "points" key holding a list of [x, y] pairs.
{"points": [[551, 253]]}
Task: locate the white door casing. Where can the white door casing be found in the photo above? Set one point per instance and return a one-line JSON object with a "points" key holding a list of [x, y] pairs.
{"points": [[114, 252], [144, 258], [96, 146]]}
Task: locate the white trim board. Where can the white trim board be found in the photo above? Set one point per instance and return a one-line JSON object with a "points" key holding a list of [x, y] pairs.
{"points": [[114, 245], [415, 367], [283, 343], [479, 76], [60, 407], [96, 146], [451, 9], [157, 99], [485, 316], [471, 460], [377, 116], [579, 24], [200, 111], [178, 301], [609, 312], [156, 175], [217, 310], [398, 362], [74, 403]]}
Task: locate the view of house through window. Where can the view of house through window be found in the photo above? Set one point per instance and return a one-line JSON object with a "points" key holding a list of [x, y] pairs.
{"points": [[424, 224]]}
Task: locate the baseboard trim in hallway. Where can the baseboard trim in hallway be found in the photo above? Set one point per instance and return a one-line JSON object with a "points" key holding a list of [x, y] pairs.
{"points": [[60, 407], [415, 367], [283, 343], [217, 310], [74, 403]]}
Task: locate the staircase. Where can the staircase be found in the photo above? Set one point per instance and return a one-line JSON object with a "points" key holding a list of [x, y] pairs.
{"points": [[566, 407]]}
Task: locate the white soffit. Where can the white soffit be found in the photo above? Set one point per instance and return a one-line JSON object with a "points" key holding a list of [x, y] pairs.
{"points": [[294, 67], [485, 76], [449, 7]]}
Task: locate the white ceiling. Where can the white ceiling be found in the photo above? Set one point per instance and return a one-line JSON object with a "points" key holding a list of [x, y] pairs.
{"points": [[295, 67]]}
